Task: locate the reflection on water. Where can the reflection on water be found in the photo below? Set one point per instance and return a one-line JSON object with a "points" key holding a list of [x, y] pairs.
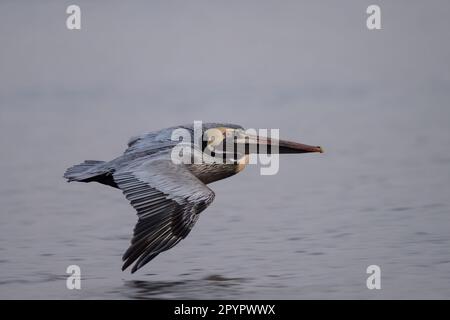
{"points": [[211, 287]]}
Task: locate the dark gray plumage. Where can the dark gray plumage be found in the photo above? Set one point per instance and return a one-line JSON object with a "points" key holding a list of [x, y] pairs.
{"points": [[168, 197]]}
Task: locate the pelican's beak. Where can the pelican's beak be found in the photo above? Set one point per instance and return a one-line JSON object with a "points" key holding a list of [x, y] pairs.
{"points": [[258, 144]]}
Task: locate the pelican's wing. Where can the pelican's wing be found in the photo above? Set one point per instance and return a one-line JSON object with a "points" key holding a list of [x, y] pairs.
{"points": [[152, 141], [168, 199]]}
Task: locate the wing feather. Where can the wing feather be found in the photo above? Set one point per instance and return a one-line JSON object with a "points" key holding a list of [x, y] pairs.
{"points": [[168, 199]]}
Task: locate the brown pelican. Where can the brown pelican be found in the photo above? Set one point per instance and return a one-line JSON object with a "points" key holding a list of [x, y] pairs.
{"points": [[169, 196]]}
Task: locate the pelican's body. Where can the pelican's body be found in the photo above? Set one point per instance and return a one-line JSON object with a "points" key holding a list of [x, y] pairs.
{"points": [[168, 196]]}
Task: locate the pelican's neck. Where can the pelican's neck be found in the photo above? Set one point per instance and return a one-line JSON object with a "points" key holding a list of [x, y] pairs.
{"points": [[208, 169], [242, 162]]}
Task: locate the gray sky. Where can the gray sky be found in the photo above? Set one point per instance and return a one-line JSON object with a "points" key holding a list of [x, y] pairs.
{"points": [[222, 47]]}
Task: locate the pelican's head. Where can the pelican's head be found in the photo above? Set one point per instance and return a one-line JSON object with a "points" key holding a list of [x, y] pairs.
{"points": [[221, 150], [239, 142], [233, 145]]}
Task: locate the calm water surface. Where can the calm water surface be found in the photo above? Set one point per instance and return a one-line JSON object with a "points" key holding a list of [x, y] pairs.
{"points": [[379, 195]]}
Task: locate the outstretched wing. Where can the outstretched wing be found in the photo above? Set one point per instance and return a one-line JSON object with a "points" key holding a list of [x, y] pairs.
{"points": [[168, 199]]}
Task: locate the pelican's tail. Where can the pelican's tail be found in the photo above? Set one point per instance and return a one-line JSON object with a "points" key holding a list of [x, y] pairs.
{"points": [[83, 171], [91, 170]]}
